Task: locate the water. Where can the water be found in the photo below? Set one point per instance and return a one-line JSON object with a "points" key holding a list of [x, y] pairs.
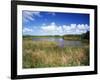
{"points": [[61, 42]]}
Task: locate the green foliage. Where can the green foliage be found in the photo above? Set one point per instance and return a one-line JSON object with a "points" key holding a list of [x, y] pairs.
{"points": [[82, 37], [72, 37], [86, 35], [45, 36]]}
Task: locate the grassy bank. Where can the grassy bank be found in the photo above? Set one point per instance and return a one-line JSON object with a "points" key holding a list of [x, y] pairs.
{"points": [[72, 37], [49, 36], [48, 54]]}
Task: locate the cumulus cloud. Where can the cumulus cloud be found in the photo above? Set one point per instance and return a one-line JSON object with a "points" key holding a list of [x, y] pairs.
{"points": [[27, 30], [49, 28], [30, 15], [53, 28]]}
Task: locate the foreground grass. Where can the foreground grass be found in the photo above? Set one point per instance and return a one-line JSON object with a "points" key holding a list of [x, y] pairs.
{"points": [[48, 54]]}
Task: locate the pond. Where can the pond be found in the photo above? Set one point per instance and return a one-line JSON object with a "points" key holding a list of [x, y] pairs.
{"points": [[61, 42]]}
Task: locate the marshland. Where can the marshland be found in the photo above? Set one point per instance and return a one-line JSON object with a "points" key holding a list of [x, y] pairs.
{"points": [[55, 51]]}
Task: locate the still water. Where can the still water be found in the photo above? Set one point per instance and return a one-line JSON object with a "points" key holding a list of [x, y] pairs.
{"points": [[61, 42]]}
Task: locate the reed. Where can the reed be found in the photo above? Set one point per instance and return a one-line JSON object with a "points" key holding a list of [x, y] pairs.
{"points": [[40, 54]]}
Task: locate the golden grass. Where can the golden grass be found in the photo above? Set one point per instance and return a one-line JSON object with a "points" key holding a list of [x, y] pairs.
{"points": [[48, 54]]}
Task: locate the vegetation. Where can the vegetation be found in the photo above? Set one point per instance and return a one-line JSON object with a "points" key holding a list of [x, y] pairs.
{"points": [[83, 37], [72, 37], [86, 35], [38, 54], [46, 36]]}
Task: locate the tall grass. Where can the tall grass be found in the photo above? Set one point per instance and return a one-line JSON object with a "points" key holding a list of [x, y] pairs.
{"points": [[38, 54]]}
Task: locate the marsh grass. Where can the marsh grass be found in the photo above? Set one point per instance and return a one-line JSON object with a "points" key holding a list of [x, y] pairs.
{"points": [[38, 54]]}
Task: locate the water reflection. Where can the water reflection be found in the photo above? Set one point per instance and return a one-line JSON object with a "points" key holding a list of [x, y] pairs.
{"points": [[61, 42]]}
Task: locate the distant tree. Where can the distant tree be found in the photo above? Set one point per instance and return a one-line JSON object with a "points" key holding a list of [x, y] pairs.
{"points": [[86, 35], [56, 35]]}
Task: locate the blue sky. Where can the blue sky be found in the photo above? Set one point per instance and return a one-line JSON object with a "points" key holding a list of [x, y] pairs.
{"points": [[54, 23]]}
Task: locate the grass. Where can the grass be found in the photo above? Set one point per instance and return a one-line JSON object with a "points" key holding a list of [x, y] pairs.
{"points": [[72, 37], [40, 54]]}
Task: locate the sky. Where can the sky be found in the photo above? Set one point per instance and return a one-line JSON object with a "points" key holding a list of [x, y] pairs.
{"points": [[54, 23]]}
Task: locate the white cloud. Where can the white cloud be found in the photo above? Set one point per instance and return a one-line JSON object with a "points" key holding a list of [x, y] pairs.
{"points": [[59, 29], [50, 28], [73, 26], [30, 15], [66, 28], [53, 28], [36, 14], [81, 27], [25, 30]]}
